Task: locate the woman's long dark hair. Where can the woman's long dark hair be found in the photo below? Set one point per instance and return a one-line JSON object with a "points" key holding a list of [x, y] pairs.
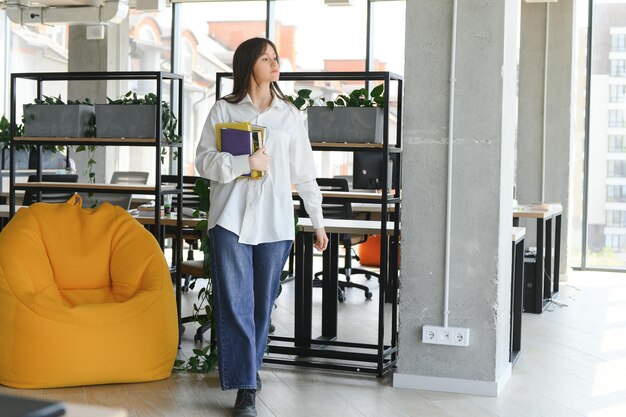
{"points": [[244, 59]]}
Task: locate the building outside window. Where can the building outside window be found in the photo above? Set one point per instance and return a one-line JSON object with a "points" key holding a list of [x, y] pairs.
{"points": [[616, 218], [617, 143], [618, 42], [615, 242], [618, 68], [618, 93], [616, 168], [616, 193], [616, 118]]}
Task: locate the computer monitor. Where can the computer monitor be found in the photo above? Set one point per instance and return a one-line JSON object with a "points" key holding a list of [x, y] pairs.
{"points": [[367, 171]]}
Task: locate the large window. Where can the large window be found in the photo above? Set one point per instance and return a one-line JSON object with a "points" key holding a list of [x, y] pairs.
{"points": [[325, 38], [388, 35], [209, 34], [38, 48], [149, 46], [599, 221], [310, 36]]}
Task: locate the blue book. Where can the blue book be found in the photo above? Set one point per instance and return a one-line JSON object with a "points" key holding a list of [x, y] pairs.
{"points": [[236, 142], [240, 142]]}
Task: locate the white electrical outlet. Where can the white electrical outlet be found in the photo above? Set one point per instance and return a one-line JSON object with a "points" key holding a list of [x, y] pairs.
{"points": [[452, 336]]}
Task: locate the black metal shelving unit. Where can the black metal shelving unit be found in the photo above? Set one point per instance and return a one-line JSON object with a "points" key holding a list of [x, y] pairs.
{"points": [[158, 190], [378, 358]]}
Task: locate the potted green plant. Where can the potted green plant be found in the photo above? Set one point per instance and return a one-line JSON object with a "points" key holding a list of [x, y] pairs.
{"points": [[52, 117], [354, 118], [23, 157], [135, 117]]}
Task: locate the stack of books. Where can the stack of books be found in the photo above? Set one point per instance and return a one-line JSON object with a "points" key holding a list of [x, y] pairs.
{"points": [[240, 138], [148, 209]]}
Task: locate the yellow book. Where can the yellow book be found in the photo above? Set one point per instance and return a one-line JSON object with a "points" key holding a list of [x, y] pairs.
{"points": [[240, 144]]}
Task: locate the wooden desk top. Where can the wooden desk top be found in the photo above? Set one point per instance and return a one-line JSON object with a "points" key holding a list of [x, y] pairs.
{"points": [[518, 234], [168, 221], [357, 227], [354, 195], [88, 186], [530, 211]]}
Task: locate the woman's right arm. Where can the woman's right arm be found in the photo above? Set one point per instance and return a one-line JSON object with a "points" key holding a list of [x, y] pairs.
{"points": [[217, 166]]}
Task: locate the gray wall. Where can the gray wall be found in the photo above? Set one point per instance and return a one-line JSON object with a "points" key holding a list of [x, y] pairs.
{"points": [[482, 187]]}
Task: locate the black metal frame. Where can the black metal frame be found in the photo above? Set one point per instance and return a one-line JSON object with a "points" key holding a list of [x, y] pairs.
{"points": [[159, 77], [547, 269], [517, 300], [326, 347]]}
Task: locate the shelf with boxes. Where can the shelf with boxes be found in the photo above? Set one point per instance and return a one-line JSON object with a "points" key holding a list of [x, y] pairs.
{"points": [[40, 132]]}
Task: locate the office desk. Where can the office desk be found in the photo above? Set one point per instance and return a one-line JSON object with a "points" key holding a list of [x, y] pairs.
{"points": [[546, 277], [326, 346], [517, 292], [168, 221]]}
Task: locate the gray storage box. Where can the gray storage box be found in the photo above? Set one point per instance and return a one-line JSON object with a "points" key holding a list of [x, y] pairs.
{"points": [[346, 124], [130, 121], [57, 120]]}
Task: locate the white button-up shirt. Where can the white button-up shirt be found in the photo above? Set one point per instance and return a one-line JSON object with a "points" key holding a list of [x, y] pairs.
{"points": [[260, 210]]}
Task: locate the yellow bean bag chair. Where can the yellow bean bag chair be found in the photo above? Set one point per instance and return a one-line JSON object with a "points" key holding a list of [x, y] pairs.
{"points": [[85, 298]]}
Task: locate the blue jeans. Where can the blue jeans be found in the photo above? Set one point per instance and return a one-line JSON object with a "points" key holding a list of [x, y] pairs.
{"points": [[246, 279]]}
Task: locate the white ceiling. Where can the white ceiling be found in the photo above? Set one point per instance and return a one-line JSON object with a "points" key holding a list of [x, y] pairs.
{"points": [[33, 12], [53, 3]]}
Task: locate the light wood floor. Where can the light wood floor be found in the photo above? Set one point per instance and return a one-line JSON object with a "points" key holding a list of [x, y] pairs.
{"points": [[573, 364]]}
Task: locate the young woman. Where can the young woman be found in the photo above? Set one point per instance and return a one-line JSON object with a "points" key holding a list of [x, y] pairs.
{"points": [[251, 220]]}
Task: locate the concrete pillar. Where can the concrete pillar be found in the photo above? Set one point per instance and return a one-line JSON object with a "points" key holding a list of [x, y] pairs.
{"points": [[482, 190], [559, 120], [108, 54]]}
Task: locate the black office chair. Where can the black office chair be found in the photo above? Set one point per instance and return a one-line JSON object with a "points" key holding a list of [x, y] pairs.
{"points": [[191, 200], [49, 196], [335, 210]]}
